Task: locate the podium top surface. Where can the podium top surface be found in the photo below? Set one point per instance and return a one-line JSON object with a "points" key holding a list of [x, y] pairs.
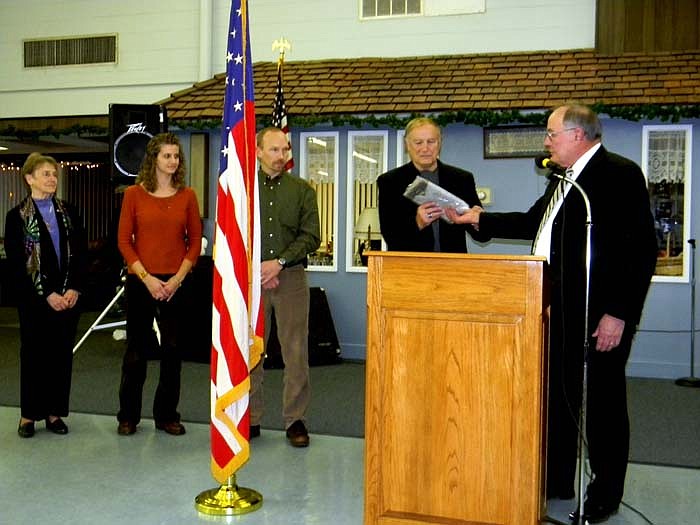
{"points": [[473, 256]]}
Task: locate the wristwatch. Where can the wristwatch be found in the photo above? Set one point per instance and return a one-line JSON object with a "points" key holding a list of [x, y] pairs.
{"points": [[282, 262]]}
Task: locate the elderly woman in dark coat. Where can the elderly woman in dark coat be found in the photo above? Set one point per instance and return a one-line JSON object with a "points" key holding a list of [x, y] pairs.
{"points": [[45, 245]]}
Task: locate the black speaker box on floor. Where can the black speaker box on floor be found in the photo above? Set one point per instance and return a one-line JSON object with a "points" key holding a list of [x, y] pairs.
{"points": [[324, 348], [131, 126]]}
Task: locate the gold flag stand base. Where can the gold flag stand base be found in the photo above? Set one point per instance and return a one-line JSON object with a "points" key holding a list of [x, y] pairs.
{"points": [[228, 500]]}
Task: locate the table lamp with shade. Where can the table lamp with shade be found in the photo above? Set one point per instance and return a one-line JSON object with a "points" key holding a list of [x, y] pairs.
{"points": [[367, 229]]}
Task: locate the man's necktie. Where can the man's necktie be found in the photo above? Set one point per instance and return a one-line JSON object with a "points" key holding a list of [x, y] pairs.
{"points": [[557, 198]]}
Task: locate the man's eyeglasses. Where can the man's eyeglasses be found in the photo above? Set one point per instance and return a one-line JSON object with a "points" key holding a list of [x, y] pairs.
{"points": [[551, 134]]}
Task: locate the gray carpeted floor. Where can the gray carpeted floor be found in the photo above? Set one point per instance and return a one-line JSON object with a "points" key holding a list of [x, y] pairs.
{"points": [[665, 418], [337, 406]]}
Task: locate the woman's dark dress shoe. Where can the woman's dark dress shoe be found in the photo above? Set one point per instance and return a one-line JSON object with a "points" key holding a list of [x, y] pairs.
{"points": [[26, 430], [57, 426]]}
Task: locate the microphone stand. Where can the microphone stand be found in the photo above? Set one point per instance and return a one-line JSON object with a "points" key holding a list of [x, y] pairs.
{"points": [[584, 395], [691, 380]]}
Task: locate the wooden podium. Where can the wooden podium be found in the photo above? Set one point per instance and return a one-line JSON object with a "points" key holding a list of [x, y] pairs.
{"points": [[455, 389]]}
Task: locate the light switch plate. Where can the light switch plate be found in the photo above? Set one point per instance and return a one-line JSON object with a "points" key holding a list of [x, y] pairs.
{"points": [[484, 195]]}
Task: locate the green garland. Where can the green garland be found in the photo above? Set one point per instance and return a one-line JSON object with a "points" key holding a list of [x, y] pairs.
{"points": [[13, 131], [481, 118]]}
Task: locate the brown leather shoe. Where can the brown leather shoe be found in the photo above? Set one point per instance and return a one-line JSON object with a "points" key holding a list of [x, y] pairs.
{"points": [[297, 434], [126, 428], [174, 428]]}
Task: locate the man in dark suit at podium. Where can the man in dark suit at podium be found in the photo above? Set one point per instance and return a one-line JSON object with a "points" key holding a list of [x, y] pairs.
{"points": [[623, 259], [407, 226]]}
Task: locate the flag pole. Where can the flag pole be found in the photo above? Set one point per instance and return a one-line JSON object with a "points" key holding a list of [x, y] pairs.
{"points": [[279, 108], [236, 265]]}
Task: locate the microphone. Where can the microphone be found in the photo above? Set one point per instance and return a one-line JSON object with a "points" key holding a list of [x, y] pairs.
{"points": [[542, 161]]}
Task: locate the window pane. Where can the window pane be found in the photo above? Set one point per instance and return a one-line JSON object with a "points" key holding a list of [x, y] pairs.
{"points": [[383, 7], [368, 8], [398, 7], [413, 7], [320, 170], [366, 161], [666, 173], [376, 8], [667, 168]]}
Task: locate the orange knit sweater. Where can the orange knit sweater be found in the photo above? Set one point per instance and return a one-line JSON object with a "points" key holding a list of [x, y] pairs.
{"points": [[159, 231]]}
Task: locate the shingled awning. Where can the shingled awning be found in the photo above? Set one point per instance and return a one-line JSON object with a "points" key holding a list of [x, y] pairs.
{"points": [[495, 81]]}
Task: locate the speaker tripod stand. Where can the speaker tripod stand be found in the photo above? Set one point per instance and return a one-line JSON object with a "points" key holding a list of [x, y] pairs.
{"points": [[96, 324]]}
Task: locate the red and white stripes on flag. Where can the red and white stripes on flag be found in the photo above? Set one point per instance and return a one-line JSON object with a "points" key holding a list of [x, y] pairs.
{"points": [[279, 114], [237, 320]]}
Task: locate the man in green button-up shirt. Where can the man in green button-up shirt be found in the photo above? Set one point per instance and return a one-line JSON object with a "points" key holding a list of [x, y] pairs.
{"points": [[290, 230]]}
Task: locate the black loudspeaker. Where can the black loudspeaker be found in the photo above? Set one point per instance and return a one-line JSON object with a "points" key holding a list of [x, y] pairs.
{"points": [[131, 126], [324, 348]]}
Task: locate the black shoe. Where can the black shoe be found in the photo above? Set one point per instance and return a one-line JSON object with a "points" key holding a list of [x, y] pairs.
{"points": [[297, 434], [57, 426], [254, 431], [26, 430], [595, 512], [174, 428], [561, 494]]}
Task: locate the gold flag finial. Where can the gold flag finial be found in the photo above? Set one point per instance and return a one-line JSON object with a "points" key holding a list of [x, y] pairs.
{"points": [[282, 45]]}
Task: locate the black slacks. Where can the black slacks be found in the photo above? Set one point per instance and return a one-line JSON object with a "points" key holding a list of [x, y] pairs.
{"points": [[607, 420], [46, 358], [141, 310]]}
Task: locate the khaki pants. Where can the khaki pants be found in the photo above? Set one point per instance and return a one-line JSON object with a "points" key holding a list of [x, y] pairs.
{"points": [[290, 302]]}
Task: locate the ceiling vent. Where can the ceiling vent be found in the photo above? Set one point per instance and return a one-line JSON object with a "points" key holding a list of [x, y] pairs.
{"points": [[100, 49]]}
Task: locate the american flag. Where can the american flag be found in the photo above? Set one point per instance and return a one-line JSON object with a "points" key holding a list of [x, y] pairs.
{"points": [[237, 327], [279, 115]]}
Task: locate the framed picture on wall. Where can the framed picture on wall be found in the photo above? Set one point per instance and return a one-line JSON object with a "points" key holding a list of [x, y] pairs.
{"points": [[513, 141]]}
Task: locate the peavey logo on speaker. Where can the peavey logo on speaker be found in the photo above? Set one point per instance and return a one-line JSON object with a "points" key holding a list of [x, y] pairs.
{"points": [[130, 148]]}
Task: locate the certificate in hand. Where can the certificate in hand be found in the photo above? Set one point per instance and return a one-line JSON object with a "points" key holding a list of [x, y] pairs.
{"points": [[422, 190]]}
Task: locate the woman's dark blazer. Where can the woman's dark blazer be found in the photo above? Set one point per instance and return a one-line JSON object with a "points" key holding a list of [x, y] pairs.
{"points": [[53, 275]]}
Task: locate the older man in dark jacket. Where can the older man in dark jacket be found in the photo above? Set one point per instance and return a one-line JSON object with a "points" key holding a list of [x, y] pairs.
{"points": [[407, 226]]}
